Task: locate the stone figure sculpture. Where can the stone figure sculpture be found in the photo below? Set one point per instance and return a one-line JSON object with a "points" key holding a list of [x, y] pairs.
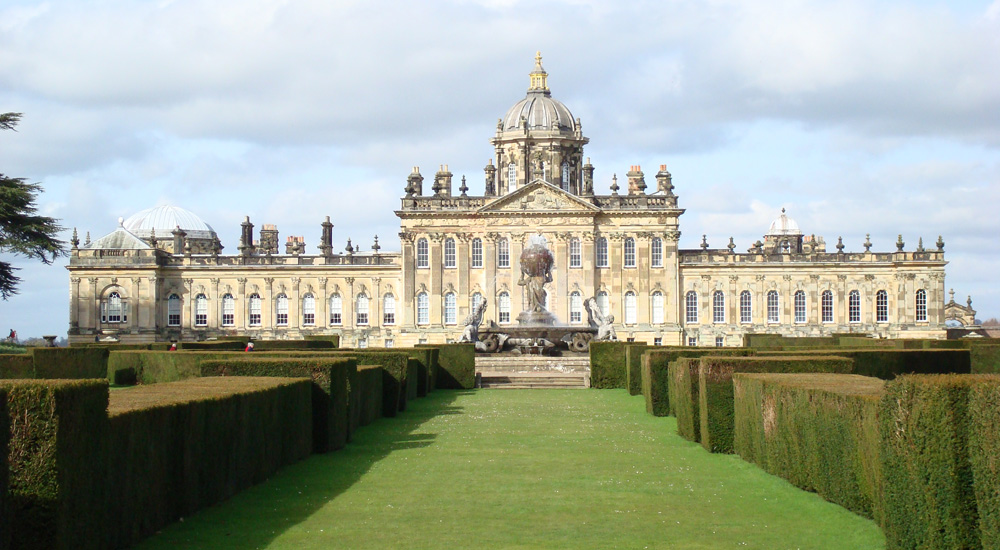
{"points": [[472, 322], [603, 323]]}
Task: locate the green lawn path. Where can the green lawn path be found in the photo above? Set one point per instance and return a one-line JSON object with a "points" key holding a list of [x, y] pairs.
{"points": [[523, 469]]}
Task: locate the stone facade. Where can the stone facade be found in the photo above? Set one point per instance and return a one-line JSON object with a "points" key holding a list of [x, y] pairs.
{"points": [[457, 249]]}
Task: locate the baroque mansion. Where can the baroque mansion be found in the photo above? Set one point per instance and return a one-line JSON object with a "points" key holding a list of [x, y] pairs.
{"points": [[160, 275]]}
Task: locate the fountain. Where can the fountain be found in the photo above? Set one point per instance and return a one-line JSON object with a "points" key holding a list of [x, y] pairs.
{"points": [[537, 330]]}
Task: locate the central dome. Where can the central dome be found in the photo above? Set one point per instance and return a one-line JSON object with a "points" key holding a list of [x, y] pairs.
{"points": [[538, 111], [164, 219]]}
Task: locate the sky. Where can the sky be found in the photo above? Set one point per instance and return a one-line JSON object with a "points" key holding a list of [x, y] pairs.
{"points": [[858, 117]]}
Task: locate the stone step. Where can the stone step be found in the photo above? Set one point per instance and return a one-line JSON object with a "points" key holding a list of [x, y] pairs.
{"points": [[534, 380]]}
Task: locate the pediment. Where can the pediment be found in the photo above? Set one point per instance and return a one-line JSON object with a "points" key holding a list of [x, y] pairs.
{"points": [[539, 196]]}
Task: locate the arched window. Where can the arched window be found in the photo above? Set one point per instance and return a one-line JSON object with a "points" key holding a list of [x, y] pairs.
{"points": [[881, 307], [746, 307], [254, 310], [228, 310], [656, 252], [629, 248], [388, 309], [575, 307], [336, 310], [113, 309], [450, 309], [512, 175], [361, 310], [281, 310], [449, 253], [601, 251], [477, 252], [657, 303], [575, 256], [826, 304], [201, 310], [630, 308], [921, 306], [503, 253], [423, 309], [475, 300], [773, 314], [800, 306], [422, 254], [691, 307], [503, 307], [308, 310], [854, 306], [718, 307], [565, 176], [604, 303], [173, 310]]}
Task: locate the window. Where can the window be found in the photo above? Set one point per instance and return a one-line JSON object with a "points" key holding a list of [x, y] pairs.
{"points": [[692, 340], [746, 307], [201, 310], [800, 306], [450, 309], [281, 309], [601, 251], [565, 176], [772, 307], [826, 304], [113, 309], [336, 309], [255, 310], [656, 252], [503, 253], [477, 253], [422, 260], [512, 174], [854, 306], [361, 310], [630, 307], [390, 343], [575, 307], [629, 252], [362, 342], [720, 341], [657, 303], [691, 307], [657, 340], [604, 303], [575, 257], [308, 310], [388, 309], [503, 306], [173, 310], [474, 301], [449, 252], [718, 307], [228, 310], [423, 309], [881, 307], [921, 306]]}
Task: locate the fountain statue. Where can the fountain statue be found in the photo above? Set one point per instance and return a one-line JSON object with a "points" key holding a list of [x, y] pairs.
{"points": [[536, 272]]}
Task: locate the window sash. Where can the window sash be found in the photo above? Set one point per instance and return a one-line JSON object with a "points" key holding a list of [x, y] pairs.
{"points": [[255, 314], [281, 310], [629, 252], [449, 253], [309, 310], [477, 253], [921, 306], [746, 307], [389, 310], [173, 311], [336, 310], [630, 308], [450, 309], [718, 307], [503, 307], [422, 253], [657, 308], [827, 306], [575, 308], [854, 306], [575, 256], [228, 310], [656, 252], [691, 307], [800, 306], [423, 309], [881, 307], [201, 311], [773, 313], [601, 250], [361, 310], [503, 253]]}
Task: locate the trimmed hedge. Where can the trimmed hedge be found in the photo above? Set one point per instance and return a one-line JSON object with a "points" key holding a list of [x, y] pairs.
{"points": [[890, 363], [715, 393], [655, 388], [607, 365], [984, 450], [57, 463], [330, 404], [368, 392], [633, 367], [179, 447], [777, 341], [985, 359], [929, 496], [154, 367], [17, 366], [4, 436], [276, 345], [683, 387], [456, 366], [73, 363], [818, 431], [332, 338]]}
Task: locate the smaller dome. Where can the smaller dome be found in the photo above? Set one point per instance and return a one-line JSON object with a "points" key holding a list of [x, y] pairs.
{"points": [[784, 226], [164, 219]]}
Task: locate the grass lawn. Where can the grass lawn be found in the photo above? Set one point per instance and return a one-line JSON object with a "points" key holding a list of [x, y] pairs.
{"points": [[523, 469]]}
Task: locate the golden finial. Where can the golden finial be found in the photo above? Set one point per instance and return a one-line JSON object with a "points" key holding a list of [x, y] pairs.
{"points": [[538, 59], [538, 76]]}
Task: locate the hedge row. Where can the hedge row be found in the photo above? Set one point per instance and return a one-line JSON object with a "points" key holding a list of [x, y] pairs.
{"points": [[683, 385], [456, 366], [330, 408], [366, 401], [655, 377], [48, 363], [633, 367], [818, 431], [890, 363], [984, 450], [715, 392], [985, 359], [18, 366], [607, 365], [4, 471]]}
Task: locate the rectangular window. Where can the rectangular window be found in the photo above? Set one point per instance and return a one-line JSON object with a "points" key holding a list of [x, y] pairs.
{"points": [[390, 343], [422, 253], [746, 307], [601, 252], [691, 307], [575, 256], [362, 343], [827, 306], [656, 252], [692, 341], [718, 307], [575, 308], [881, 307], [854, 307], [228, 311], [477, 253], [361, 307], [921, 303], [503, 253], [720, 341], [657, 341], [629, 247], [449, 253], [772, 307], [800, 306], [503, 308]]}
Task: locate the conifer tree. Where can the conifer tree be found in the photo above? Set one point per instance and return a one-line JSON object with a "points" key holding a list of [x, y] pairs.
{"points": [[22, 231]]}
